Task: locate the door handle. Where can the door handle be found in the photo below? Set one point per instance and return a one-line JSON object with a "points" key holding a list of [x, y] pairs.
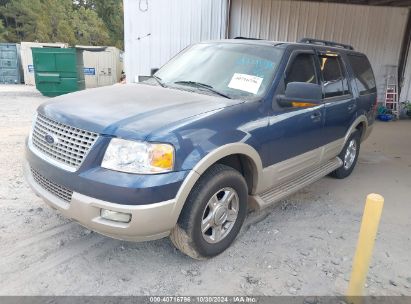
{"points": [[351, 106], [316, 116]]}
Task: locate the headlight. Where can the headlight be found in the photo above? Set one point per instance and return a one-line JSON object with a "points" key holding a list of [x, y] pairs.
{"points": [[138, 157]]}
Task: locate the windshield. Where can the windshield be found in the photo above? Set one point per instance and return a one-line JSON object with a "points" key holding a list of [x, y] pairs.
{"points": [[233, 70]]}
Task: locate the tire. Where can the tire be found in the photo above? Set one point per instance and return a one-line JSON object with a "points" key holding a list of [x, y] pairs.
{"points": [[348, 156], [218, 199]]}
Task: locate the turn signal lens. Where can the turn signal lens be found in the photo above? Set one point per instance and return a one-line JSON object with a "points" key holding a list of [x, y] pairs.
{"points": [[297, 104], [162, 157]]}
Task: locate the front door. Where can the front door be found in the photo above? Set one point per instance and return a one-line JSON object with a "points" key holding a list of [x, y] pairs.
{"points": [[295, 133]]}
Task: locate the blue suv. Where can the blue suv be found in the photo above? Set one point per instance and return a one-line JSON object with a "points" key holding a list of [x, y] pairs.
{"points": [[223, 127]]}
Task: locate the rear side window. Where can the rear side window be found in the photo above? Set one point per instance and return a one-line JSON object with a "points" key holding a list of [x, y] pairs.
{"points": [[364, 77], [334, 76], [302, 69]]}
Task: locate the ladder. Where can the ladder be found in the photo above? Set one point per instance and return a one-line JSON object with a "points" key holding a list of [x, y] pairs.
{"points": [[391, 91]]}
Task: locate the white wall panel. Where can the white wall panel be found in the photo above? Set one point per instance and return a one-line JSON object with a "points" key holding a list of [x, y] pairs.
{"points": [[156, 30], [376, 31], [406, 89]]}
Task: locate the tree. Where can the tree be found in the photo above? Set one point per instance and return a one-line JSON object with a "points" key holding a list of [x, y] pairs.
{"points": [[20, 18], [2, 32], [111, 12], [88, 4], [89, 29], [57, 19], [87, 22]]}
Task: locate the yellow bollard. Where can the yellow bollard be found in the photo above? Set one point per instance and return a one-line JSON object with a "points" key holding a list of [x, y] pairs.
{"points": [[365, 244]]}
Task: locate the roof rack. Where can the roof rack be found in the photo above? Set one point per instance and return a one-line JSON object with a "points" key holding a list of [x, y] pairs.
{"points": [[326, 43], [247, 38]]}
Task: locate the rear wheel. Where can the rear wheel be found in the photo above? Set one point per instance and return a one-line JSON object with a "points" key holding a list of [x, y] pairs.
{"points": [[213, 214], [349, 156]]}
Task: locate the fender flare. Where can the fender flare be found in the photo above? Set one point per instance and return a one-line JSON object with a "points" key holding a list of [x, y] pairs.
{"points": [[206, 162], [360, 119]]}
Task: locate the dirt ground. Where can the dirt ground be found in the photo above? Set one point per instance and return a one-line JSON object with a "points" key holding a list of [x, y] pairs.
{"points": [[302, 246]]}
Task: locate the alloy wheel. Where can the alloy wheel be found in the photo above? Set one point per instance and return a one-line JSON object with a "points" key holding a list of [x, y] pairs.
{"points": [[220, 215]]}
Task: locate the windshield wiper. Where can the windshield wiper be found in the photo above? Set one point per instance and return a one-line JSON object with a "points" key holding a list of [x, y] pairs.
{"points": [[203, 86], [159, 80]]}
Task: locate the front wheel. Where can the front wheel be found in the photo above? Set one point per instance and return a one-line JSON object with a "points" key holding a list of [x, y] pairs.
{"points": [[213, 214], [349, 156]]}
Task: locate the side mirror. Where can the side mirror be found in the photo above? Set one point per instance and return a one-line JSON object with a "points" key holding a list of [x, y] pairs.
{"points": [[300, 94], [142, 78], [153, 71]]}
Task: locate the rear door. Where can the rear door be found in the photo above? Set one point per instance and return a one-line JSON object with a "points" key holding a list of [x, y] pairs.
{"points": [[365, 84], [339, 101]]}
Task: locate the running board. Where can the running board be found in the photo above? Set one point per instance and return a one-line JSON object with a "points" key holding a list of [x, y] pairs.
{"points": [[283, 190]]}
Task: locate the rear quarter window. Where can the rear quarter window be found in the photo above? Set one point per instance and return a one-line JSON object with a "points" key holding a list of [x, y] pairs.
{"points": [[363, 75]]}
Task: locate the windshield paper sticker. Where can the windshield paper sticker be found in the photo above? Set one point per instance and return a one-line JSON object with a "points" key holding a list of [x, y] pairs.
{"points": [[244, 82]]}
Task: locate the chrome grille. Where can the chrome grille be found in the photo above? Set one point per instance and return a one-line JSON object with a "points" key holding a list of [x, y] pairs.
{"points": [[60, 191], [72, 145]]}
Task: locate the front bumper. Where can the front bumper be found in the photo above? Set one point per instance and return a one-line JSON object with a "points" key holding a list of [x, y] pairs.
{"points": [[148, 222]]}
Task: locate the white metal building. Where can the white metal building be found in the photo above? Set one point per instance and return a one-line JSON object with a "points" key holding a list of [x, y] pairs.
{"points": [[406, 88], [155, 30]]}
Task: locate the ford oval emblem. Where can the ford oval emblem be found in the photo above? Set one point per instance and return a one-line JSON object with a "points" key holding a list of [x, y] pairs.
{"points": [[51, 139]]}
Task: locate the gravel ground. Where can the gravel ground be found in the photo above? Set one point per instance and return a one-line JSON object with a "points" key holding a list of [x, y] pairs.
{"points": [[302, 246]]}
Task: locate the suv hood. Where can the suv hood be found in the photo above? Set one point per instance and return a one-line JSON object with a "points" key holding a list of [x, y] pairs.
{"points": [[132, 111]]}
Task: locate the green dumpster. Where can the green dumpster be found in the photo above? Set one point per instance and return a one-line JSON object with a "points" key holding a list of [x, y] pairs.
{"points": [[58, 71]]}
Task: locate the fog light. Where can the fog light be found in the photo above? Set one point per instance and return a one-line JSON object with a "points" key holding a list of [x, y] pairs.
{"points": [[115, 216]]}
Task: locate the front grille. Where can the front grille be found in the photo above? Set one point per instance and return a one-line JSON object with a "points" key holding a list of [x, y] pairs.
{"points": [[72, 144], [60, 191]]}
